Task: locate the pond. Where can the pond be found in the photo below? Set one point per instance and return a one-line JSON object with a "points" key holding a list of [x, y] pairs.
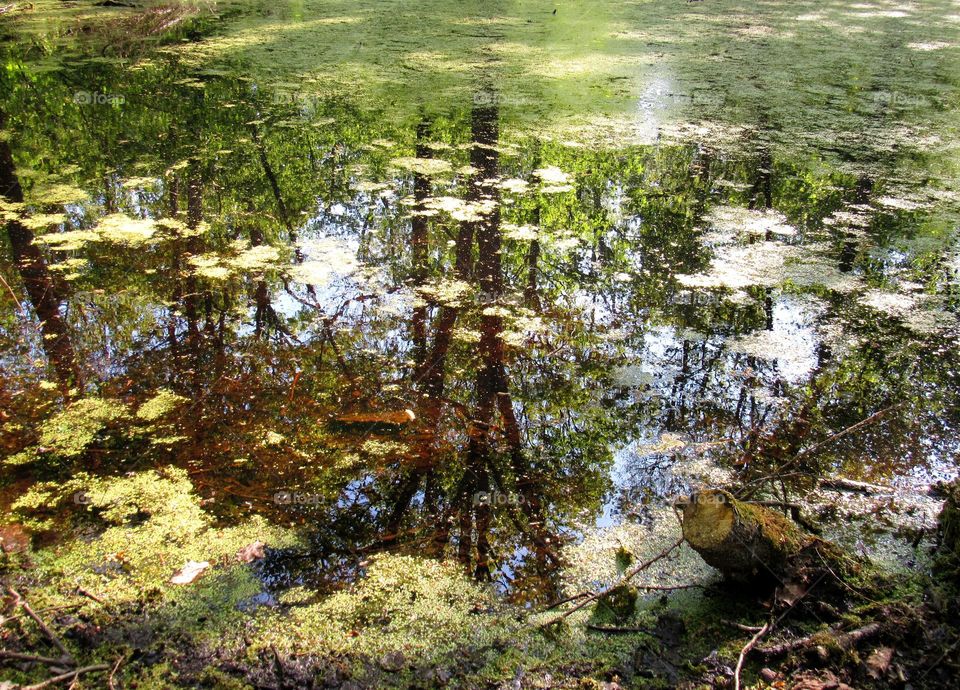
{"points": [[488, 282]]}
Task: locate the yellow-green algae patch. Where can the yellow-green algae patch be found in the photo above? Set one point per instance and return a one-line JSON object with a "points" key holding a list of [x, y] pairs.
{"points": [[69, 432], [163, 402], [152, 524]]}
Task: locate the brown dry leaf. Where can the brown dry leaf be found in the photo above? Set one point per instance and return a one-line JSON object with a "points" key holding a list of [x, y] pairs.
{"points": [[13, 538], [811, 680], [251, 552], [189, 572], [878, 662], [791, 593]]}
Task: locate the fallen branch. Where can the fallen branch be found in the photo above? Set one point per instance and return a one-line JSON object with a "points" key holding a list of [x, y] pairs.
{"points": [[750, 487], [842, 484], [66, 676], [796, 513], [843, 640], [749, 543], [746, 650], [22, 603], [670, 588], [614, 630], [20, 656], [626, 578]]}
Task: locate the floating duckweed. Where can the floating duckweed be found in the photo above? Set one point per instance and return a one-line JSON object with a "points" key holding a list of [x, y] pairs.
{"points": [[272, 438], [893, 303], [520, 233], [326, 259], [496, 310], [68, 433], [460, 209], [160, 404], [423, 166], [423, 607], [122, 229], [367, 186], [71, 240], [467, 335], [172, 224], [140, 183], [556, 189], [750, 222], [154, 524], [384, 448], [43, 220], [59, 194], [447, 292], [552, 175], [256, 258], [72, 269], [514, 185], [210, 265]]}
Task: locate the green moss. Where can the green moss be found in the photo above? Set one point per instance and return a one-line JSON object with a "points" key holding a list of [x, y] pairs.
{"points": [[151, 524], [422, 608], [617, 606]]}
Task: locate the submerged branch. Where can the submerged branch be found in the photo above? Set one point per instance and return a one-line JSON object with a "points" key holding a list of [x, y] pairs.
{"points": [[623, 580]]}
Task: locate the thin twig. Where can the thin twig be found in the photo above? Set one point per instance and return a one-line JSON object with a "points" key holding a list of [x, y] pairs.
{"points": [[66, 676], [749, 488], [20, 656], [626, 577], [614, 630], [110, 683], [90, 595], [19, 600], [19, 304], [566, 600], [741, 626], [746, 650]]}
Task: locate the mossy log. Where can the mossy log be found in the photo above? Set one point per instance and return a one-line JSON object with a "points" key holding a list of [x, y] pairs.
{"points": [[751, 543], [948, 524], [948, 533]]}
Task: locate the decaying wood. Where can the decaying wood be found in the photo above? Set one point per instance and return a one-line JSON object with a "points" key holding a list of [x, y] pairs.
{"points": [[750, 543], [948, 522], [845, 641]]}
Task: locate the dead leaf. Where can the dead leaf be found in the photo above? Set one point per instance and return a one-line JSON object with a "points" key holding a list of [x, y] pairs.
{"points": [[13, 538], [189, 572], [396, 417], [791, 593], [878, 662], [251, 552]]}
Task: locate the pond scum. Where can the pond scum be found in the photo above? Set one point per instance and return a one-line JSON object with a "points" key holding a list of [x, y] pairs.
{"points": [[383, 344]]}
